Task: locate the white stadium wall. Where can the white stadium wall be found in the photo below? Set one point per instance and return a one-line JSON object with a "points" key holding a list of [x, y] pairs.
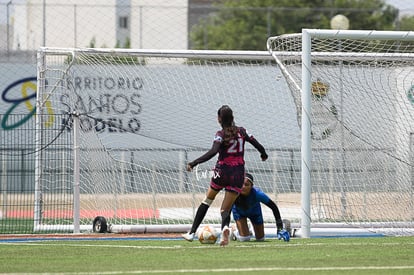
{"points": [[75, 23], [126, 99]]}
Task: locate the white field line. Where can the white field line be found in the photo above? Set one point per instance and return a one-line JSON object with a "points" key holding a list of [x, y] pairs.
{"points": [[252, 269], [39, 242]]}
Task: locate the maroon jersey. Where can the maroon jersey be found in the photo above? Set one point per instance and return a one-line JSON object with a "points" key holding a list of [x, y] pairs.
{"points": [[229, 168], [233, 153]]}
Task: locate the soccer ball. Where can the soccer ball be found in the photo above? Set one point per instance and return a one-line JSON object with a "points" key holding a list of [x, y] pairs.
{"points": [[339, 22], [207, 235]]}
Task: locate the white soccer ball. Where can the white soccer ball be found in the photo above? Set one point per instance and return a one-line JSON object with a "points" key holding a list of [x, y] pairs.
{"points": [[207, 235], [340, 22]]}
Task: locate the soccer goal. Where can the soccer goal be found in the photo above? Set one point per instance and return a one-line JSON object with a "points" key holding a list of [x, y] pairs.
{"points": [[353, 92], [116, 128]]}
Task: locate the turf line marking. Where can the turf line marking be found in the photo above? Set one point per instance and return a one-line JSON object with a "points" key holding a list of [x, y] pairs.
{"points": [[264, 245], [221, 270]]}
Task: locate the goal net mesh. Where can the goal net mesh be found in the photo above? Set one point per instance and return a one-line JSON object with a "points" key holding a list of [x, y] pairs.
{"points": [[362, 125], [143, 116]]}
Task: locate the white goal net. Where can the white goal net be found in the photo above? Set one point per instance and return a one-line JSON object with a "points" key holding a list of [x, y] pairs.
{"points": [[115, 129], [353, 92], [142, 116]]}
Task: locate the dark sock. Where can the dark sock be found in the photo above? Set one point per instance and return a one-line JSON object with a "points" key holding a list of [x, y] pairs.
{"points": [[225, 219], [279, 224], [201, 213]]}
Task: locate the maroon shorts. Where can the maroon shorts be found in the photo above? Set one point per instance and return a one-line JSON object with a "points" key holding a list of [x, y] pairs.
{"points": [[226, 177]]}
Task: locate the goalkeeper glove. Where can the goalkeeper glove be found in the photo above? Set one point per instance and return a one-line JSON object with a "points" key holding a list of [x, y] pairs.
{"points": [[283, 234]]}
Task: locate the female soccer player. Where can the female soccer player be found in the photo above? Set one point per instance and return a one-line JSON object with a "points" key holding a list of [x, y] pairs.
{"points": [[247, 206], [228, 172]]}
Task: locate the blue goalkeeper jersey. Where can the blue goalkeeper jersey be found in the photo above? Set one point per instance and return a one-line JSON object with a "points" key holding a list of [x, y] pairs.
{"points": [[249, 206]]}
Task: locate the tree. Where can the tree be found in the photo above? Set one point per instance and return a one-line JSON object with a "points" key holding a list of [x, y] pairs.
{"points": [[406, 23], [246, 24]]}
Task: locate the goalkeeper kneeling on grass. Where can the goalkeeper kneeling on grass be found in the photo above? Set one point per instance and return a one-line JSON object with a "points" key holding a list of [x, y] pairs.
{"points": [[247, 206]]}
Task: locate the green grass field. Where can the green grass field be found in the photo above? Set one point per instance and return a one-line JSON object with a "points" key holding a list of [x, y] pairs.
{"points": [[378, 255]]}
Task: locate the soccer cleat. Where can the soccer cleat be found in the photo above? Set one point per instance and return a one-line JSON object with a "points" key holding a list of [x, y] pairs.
{"points": [[283, 234], [225, 234], [188, 236]]}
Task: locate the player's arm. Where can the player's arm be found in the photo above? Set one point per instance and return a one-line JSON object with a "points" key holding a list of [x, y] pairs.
{"points": [[276, 213], [206, 157], [256, 144], [259, 148]]}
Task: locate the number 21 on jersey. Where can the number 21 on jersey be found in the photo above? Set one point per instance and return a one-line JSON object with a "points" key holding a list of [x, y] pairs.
{"points": [[236, 146]]}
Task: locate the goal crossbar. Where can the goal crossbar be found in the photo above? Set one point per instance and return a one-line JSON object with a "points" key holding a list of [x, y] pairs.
{"points": [[203, 54]]}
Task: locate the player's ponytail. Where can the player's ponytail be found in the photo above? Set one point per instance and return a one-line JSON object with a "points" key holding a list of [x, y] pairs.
{"points": [[225, 114]]}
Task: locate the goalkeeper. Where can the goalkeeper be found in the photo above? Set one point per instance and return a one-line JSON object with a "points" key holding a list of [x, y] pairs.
{"points": [[247, 206]]}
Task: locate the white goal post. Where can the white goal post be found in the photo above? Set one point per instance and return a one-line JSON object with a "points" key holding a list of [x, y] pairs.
{"points": [[353, 93]]}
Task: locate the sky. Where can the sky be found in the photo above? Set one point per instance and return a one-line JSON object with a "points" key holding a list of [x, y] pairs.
{"points": [[405, 7]]}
